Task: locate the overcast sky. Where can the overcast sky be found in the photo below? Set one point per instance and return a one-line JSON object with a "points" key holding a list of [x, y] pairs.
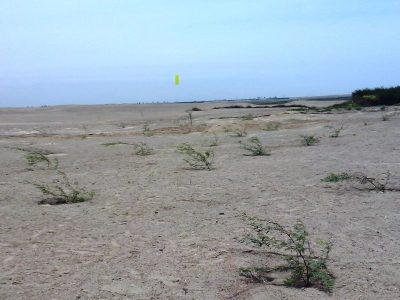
{"points": [[115, 51]]}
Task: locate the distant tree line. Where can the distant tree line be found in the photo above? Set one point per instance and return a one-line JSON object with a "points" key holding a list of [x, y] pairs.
{"points": [[377, 96]]}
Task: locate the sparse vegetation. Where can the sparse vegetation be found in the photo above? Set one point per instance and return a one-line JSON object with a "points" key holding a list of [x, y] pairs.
{"points": [[215, 140], [146, 130], [337, 177], [63, 192], [114, 144], [255, 147], [190, 117], [310, 140], [336, 132], [376, 184], [239, 131], [195, 158], [379, 185], [143, 149], [196, 109], [37, 157], [307, 261], [272, 126], [347, 105], [248, 117]]}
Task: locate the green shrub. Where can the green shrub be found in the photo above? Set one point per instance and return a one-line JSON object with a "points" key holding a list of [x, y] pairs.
{"points": [[143, 149], [195, 158], [337, 177], [255, 147], [310, 140], [348, 105], [308, 265], [63, 193]]}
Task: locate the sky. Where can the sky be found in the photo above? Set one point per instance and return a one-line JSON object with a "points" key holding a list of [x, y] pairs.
{"points": [[125, 51]]}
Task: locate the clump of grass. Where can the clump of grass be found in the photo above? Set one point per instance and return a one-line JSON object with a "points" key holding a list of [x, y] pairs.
{"points": [[336, 132], [215, 140], [248, 117], [146, 130], [114, 144], [63, 193], [255, 147], [348, 105], [143, 149], [332, 177], [239, 132], [272, 126], [306, 261], [195, 158], [310, 140]]}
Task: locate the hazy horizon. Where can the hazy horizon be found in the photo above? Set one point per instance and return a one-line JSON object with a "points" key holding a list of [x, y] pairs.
{"points": [[98, 52]]}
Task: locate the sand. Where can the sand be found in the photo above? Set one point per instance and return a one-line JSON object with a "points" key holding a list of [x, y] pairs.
{"points": [[156, 229]]}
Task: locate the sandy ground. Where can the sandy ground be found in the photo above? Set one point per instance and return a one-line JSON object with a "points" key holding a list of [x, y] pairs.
{"points": [[159, 230]]}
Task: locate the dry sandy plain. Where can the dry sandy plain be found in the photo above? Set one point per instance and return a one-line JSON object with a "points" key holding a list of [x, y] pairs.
{"points": [[158, 230]]}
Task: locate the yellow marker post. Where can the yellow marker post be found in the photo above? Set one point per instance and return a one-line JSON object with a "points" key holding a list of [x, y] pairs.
{"points": [[176, 79]]}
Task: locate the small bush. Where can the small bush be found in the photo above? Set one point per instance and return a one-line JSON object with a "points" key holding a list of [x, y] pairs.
{"points": [[307, 263], [63, 193], [255, 147], [336, 132], [146, 130], [239, 132], [337, 177], [143, 149], [310, 140], [272, 126], [196, 159], [196, 109]]}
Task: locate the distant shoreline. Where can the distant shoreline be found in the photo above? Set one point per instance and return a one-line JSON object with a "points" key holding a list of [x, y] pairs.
{"points": [[259, 100]]}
